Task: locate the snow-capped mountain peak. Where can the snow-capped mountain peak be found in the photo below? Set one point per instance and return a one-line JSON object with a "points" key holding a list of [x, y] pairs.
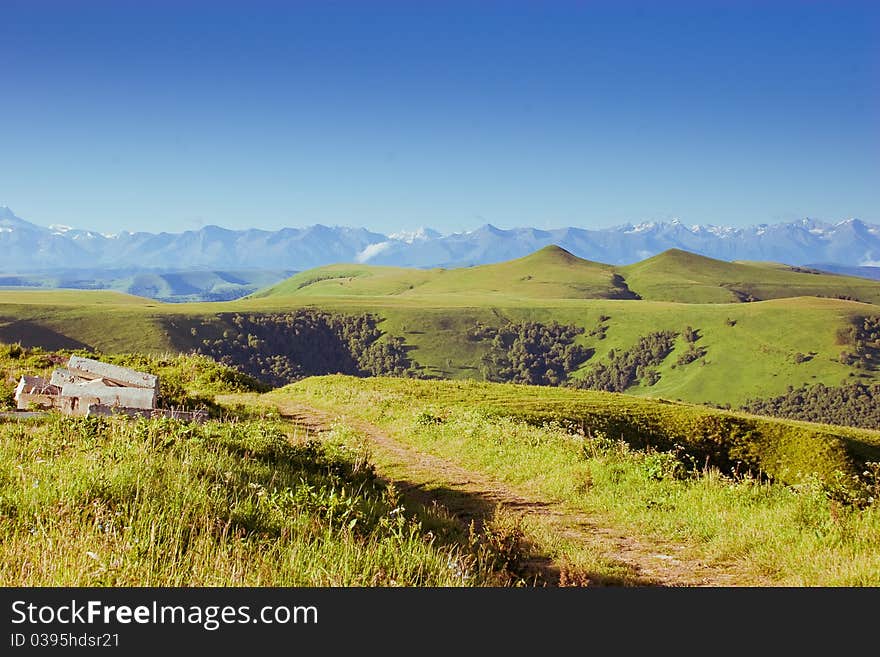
{"points": [[28, 247], [421, 234]]}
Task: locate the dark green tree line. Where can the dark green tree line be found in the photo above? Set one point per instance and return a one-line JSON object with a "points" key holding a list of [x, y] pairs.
{"points": [[626, 368], [855, 405], [279, 348], [531, 352]]}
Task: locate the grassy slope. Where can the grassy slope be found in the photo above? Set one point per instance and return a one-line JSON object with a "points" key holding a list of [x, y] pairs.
{"points": [[107, 321], [243, 500], [766, 533], [677, 275], [754, 358], [101, 502], [786, 449], [551, 273]]}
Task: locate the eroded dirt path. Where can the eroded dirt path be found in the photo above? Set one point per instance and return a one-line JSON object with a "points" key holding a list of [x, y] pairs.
{"points": [[467, 495]]}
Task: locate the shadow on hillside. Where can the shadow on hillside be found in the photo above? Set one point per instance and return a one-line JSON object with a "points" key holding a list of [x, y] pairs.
{"points": [[30, 334]]}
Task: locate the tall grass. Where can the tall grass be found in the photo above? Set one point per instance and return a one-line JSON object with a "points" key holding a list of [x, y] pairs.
{"points": [[109, 502]]}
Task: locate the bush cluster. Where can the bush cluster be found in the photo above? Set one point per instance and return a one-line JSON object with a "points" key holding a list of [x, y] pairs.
{"points": [[532, 352], [863, 338], [691, 335], [627, 368]]}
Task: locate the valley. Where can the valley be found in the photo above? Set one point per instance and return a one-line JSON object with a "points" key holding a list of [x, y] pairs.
{"points": [[795, 332]]}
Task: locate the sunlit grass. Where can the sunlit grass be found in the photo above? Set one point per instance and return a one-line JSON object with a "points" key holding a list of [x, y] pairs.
{"points": [[804, 534], [97, 502]]}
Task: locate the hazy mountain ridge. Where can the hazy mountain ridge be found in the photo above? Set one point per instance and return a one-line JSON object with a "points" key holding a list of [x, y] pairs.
{"points": [[164, 285], [27, 247]]}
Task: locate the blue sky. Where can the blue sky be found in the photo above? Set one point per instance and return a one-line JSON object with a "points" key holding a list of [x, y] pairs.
{"points": [[386, 115]]}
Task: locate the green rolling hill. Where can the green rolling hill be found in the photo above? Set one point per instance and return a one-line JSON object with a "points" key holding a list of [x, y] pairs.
{"points": [[794, 336], [554, 273], [676, 275], [551, 273]]}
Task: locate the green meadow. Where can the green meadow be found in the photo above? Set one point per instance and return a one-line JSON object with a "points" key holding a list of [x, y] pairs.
{"points": [[109, 502]]}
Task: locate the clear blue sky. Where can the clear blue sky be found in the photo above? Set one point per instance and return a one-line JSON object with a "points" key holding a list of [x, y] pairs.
{"points": [[118, 115]]}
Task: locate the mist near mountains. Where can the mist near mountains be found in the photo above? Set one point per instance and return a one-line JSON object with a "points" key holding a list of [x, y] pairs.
{"points": [[851, 246]]}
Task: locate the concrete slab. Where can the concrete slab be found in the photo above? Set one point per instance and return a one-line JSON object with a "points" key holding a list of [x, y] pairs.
{"points": [[28, 383], [75, 405], [25, 401], [95, 369], [34, 390], [62, 376], [112, 395]]}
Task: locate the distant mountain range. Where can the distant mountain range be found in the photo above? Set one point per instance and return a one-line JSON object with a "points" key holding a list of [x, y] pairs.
{"points": [[170, 286], [852, 246]]}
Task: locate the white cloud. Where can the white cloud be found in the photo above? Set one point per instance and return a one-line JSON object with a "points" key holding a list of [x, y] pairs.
{"points": [[371, 251]]}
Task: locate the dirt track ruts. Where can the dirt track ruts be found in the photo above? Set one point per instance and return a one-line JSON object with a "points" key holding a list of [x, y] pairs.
{"points": [[469, 495]]}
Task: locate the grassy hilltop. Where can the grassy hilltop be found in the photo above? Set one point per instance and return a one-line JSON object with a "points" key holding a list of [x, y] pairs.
{"points": [[551, 273], [677, 275], [554, 273]]}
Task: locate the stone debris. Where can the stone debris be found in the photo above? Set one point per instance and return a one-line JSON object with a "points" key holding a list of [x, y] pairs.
{"points": [[87, 368], [90, 387], [62, 376]]}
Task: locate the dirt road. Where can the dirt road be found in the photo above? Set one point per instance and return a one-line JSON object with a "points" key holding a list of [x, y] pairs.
{"points": [[467, 495]]}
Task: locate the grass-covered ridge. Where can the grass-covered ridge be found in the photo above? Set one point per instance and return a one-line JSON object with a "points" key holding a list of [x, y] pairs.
{"points": [[787, 451], [551, 272], [554, 273], [677, 275]]}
